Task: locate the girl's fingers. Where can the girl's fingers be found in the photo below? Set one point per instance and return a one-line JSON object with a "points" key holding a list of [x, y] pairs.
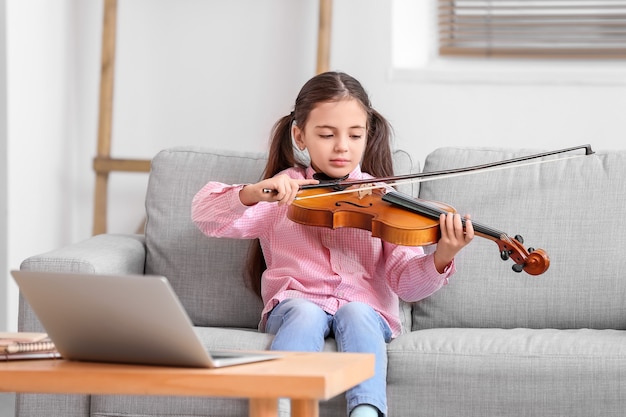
{"points": [[452, 227], [285, 189], [469, 228]]}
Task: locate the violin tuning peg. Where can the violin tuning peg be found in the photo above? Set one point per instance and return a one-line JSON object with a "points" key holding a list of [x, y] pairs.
{"points": [[504, 255], [519, 238], [518, 268], [531, 249]]}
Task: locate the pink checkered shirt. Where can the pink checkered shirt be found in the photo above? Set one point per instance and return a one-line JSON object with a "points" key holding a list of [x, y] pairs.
{"points": [[328, 267]]}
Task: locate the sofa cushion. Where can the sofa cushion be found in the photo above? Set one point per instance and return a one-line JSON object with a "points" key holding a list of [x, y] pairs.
{"points": [[507, 373], [207, 273], [572, 208]]}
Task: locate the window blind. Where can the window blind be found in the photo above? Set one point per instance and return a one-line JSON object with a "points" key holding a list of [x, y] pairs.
{"points": [[533, 28]]}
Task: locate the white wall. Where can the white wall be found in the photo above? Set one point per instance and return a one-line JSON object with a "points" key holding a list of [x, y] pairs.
{"points": [[218, 74], [3, 164]]}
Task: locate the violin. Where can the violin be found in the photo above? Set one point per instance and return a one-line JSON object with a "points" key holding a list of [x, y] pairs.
{"points": [[403, 220]]}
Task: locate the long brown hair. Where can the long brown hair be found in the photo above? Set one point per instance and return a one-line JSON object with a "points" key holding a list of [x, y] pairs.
{"points": [[325, 87]]}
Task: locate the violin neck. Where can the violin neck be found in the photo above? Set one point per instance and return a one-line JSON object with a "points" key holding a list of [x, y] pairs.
{"points": [[431, 211]]}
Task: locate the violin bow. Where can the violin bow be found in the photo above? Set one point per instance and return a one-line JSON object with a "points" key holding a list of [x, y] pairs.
{"points": [[340, 186]]}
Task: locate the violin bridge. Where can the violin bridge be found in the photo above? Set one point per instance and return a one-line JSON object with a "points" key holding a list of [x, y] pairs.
{"points": [[364, 190]]}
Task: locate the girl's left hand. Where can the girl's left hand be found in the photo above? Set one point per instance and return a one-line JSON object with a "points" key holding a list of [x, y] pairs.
{"points": [[454, 237]]}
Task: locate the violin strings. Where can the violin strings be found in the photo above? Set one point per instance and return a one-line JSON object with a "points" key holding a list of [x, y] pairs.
{"points": [[452, 175]]}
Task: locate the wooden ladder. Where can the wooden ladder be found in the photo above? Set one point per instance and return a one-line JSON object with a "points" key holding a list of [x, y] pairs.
{"points": [[104, 163]]}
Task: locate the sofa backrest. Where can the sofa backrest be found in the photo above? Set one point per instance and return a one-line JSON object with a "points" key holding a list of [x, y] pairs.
{"points": [[207, 273], [573, 209]]}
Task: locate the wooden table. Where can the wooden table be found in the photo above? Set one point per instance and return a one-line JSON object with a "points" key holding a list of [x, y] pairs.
{"points": [[306, 378]]}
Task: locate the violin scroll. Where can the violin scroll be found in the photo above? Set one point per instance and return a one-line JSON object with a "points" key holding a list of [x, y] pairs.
{"points": [[532, 261]]}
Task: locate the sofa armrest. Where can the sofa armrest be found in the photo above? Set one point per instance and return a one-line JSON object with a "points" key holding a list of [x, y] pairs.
{"points": [[102, 254]]}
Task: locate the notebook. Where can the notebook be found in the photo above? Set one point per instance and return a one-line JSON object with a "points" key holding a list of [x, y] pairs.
{"points": [[121, 319]]}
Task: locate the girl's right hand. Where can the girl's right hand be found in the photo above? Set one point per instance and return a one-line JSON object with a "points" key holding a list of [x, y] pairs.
{"points": [[281, 189]]}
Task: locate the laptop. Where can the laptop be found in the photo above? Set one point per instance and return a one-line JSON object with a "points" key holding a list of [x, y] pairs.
{"points": [[134, 319]]}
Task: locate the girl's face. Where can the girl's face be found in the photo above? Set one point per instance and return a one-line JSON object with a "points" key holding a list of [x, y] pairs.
{"points": [[335, 136]]}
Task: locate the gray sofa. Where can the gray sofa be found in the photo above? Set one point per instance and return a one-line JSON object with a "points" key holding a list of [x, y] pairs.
{"points": [[491, 343]]}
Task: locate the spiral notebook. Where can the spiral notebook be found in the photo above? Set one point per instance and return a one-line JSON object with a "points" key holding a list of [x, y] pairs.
{"points": [[25, 345], [121, 319]]}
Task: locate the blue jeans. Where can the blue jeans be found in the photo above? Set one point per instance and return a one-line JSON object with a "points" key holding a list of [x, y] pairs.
{"points": [[300, 325]]}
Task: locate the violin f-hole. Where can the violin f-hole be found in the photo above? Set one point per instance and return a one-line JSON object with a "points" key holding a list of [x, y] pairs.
{"points": [[352, 203]]}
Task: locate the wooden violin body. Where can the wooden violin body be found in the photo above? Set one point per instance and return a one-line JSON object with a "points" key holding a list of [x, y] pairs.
{"points": [[385, 220], [402, 220]]}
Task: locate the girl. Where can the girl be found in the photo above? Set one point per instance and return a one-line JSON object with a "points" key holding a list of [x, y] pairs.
{"points": [[317, 282]]}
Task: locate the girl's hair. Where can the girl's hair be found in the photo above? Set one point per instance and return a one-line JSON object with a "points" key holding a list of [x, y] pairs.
{"points": [[325, 87]]}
